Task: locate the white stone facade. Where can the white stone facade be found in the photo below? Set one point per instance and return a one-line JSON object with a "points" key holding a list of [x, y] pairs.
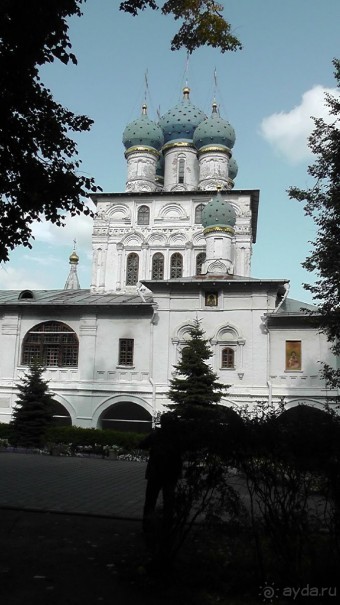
{"points": [[172, 227], [154, 271]]}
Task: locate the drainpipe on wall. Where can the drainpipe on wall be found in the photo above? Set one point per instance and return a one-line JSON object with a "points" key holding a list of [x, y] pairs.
{"points": [[270, 392], [153, 321]]}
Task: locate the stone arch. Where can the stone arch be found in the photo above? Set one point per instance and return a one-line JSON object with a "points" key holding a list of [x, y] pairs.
{"points": [[157, 239], [177, 238], [133, 239], [236, 207], [124, 413], [118, 212], [26, 295], [172, 211], [226, 333], [198, 239], [183, 332], [310, 403], [63, 411], [59, 351]]}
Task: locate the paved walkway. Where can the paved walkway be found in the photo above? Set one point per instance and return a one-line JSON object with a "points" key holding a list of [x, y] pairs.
{"points": [[89, 486]]}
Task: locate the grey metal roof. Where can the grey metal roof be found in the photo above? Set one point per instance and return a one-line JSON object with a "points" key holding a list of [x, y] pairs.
{"points": [[294, 307], [209, 278], [71, 298]]}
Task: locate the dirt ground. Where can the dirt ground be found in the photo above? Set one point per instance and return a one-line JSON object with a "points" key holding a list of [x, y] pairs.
{"points": [[54, 559]]}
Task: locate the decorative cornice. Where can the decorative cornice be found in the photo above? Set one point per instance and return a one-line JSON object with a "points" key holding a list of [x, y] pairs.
{"points": [[179, 144], [212, 229], [214, 149], [141, 148]]}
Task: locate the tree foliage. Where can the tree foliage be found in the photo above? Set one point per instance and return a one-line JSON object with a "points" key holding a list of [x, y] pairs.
{"points": [[195, 384], [34, 411], [203, 23], [40, 175], [40, 170], [322, 202]]}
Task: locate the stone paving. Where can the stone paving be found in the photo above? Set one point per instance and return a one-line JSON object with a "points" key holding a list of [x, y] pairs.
{"points": [[89, 486]]}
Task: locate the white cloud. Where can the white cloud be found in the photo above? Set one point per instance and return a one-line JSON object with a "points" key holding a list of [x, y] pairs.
{"points": [[18, 279], [288, 132], [76, 227]]}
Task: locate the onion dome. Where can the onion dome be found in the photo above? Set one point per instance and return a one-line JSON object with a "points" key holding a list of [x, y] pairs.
{"points": [[179, 123], [74, 258], [218, 213], [233, 169], [143, 132], [214, 131]]}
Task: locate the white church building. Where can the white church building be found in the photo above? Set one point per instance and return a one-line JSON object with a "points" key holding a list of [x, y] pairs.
{"points": [[175, 246]]}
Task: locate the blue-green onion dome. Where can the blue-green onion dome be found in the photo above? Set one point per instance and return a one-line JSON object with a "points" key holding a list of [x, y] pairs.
{"points": [[233, 169], [214, 131], [143, 132], [218, 213], [179, 123]]}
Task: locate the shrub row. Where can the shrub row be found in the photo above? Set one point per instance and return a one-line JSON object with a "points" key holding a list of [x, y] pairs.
{"points": [[81, 436]]}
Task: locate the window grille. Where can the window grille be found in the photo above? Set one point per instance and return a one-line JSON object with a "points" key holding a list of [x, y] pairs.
{"points": [[143, 216], [176, 265], [51, 344], [198, 214], [181, 168], [228, 358], [200, 258], [132, 264], [126, 351], [158, 266]]}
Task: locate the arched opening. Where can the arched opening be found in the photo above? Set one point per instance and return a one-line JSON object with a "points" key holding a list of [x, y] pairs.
{"points": [[200, 258], [51, 343], [198, 214], [132, 264], [181, 170], [26, 295], [61, 417], [126, 416], [158, 266], [228, 358], [143, 217], [176, 265]]}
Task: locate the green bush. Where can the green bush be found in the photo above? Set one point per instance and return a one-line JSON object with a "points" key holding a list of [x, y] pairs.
{"points": [[81, 436], [6, 431]]}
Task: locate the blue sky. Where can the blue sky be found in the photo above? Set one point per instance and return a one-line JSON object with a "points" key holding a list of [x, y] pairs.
{"points": [[268, 91]]}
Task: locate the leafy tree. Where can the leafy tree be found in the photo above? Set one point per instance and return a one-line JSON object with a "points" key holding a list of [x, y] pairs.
{"points": [[39, 166], [34, 411], [40, 170], [322, 202], [203, 23]]}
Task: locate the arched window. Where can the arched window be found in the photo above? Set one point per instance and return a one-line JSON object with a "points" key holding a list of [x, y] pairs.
{"points": [[176, 265], [228, 358], [143, 217], [198, 214], [51, 343], [200, 258], [26, 295], [181, 170], [132, 264], [158, 266]]}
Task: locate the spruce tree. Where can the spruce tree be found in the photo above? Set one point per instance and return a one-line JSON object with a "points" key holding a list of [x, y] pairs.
{"points": [[195, 386], [34, 411]]}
